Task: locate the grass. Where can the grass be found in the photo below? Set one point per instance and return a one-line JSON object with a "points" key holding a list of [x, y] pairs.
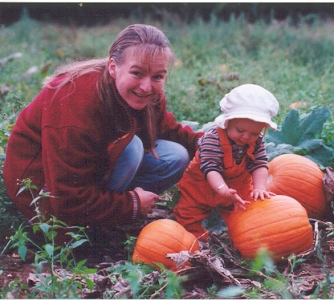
{"points": [[293, 61]]}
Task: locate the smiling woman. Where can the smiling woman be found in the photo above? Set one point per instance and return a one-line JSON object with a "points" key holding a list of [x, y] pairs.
{"points": [[140, 78], [98, 136]]}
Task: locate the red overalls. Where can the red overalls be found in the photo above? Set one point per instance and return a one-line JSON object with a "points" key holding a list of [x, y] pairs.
{"points": [[197, 198]]}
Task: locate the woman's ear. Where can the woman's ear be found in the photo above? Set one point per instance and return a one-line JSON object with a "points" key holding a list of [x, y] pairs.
{"points": [[112, 68]]}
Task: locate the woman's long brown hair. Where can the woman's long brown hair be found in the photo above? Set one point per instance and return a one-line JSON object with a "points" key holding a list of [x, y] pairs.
{"points": [[145, 40]]}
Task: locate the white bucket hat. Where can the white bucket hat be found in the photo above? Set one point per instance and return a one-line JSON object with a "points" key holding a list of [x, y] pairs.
{"points": [[248, 101]]}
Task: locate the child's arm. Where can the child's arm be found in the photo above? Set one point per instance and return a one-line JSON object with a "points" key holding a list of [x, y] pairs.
{"points": [[260, 177], [218, 184]]}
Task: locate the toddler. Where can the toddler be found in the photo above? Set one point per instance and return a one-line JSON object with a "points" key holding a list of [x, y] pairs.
{"points": [[230, 166]]}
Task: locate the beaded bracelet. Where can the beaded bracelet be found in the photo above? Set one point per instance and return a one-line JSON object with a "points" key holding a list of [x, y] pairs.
{"points": [[135, 204]]}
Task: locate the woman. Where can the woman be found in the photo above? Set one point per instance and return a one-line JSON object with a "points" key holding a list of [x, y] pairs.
{"points": [[98, 137]]}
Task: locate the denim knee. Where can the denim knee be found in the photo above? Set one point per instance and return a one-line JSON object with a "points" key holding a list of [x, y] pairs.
{"points": [[157, 175], [175, 155], [133, 153], [127, 165]]}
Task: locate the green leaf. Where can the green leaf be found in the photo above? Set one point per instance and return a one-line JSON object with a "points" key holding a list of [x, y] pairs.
{"points": [[160, 265], [49, 249], [78, 243], [276, 150], [286, 135], [318, 152], [21, 190], [90, 270], [22, 252], [35, 200], [45, 227], [295, 130], [299, 136], [311, 125], [90, 284]]}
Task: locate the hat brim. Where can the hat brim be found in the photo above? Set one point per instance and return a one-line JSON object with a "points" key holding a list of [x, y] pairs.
{"points": [[222, 120]]}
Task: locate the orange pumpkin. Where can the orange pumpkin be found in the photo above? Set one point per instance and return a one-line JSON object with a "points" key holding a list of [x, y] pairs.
{"points": [[298, 177], [279, 224], [162, 237]]}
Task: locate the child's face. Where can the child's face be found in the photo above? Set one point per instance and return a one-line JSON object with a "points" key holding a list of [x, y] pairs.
{"points": [[244, 131]]}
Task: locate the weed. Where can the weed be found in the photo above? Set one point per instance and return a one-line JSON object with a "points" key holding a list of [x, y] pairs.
{"points": [[143, 281], [10, 217], [49, 256], [273, 282], [130, 244]]}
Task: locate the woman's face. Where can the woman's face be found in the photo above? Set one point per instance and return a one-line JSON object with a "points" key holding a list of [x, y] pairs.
{"points": [[244, 131], [139, 79]]}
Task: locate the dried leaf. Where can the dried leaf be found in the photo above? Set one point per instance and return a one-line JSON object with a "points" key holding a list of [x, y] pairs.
{"points": [[296, 105], [208, 260], [328, 180], [179, 258], [122, 289]]}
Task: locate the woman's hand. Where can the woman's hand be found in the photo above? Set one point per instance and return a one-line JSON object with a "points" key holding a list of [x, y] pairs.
{"points": [[261, 193], [147, 201]]}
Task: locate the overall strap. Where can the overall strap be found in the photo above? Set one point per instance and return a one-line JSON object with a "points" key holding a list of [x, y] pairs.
{"points": [[250, 151], [227, 148]]}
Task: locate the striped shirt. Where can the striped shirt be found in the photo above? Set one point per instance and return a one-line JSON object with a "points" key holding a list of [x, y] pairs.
{"points": [[211, 153]]}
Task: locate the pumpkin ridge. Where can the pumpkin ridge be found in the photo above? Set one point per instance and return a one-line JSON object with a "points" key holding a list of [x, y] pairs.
{"points": [[300, 178], [301, 195], [280, 224], [161, 237], [286, 226], [141, 256], [275, 249], [169, 247], [251, 224], [290, 234], [154, 250]]}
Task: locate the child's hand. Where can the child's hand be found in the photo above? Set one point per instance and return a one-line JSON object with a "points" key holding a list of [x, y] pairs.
{"points": [[261, 193], [231, 195]]}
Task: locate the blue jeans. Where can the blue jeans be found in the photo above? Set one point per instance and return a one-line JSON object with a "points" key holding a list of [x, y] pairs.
{"points": [[135, 168]]}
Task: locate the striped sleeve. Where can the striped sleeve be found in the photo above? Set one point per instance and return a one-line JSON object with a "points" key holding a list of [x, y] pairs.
{"points": [[210, 152], [260, 156]]}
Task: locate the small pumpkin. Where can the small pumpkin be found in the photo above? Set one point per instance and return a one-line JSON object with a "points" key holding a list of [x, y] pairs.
{"points": [[162, 237], [279, 224], [299, 177]]}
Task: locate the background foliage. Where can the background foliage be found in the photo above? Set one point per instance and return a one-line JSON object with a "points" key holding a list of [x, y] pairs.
{"points": [[294, 61]]}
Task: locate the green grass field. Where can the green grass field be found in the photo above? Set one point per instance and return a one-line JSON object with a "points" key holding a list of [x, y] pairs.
{"points": [[294, 62]]}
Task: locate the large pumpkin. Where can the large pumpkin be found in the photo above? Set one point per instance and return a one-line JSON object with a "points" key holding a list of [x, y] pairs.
{"points": [[162, 237], [279, 224], [298, 177]]}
